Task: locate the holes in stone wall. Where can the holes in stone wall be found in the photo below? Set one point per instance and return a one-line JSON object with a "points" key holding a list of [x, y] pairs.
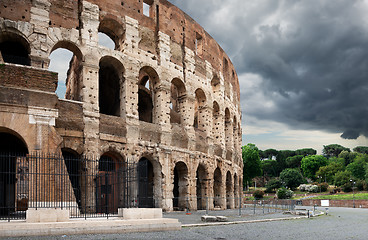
{"points": [[227, 128], [199, 44]]}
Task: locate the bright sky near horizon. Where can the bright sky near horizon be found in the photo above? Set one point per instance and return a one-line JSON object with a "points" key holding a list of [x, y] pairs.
{"points": [[302, 67]]}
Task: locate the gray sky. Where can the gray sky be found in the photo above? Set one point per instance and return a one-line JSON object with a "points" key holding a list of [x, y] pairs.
{"points": [[302, 67]]}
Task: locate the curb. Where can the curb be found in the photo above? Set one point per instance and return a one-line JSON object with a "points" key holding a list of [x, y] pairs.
{"points": [[240, 222]]}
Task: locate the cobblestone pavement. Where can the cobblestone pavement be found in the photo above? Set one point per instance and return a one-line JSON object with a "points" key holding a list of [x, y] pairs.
{"points": [[340, 223]]}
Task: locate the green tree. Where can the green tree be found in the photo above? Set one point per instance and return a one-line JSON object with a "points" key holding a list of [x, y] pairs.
{"points": [[348, 156], [291, 177], [294, 161], [361, 149], [281, 159], [269, 168], [333, 150], [252, 163], [328, 172], [273, 184], [357, 168], [311, 164], [342, 177], [269, 154], [306, 151]]}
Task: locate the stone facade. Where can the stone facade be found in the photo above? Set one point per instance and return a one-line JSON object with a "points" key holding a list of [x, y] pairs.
{"points": [[167, 93]]}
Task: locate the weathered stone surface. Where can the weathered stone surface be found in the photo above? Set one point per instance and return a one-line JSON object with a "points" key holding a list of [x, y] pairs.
{"points": [[167, 92]]}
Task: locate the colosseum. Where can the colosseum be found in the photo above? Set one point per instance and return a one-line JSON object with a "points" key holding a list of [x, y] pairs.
{"points": [[154, 122]]}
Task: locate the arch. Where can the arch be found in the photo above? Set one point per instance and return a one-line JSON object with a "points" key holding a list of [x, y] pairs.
{"points": [[111, 78], [237, 198], [146, 178], [178, 92], [72, 70], [147, 94], [217, 186], [201, 186], [235, 132], [228, 132], [199, 112], [215, 83], [229, 191], [180, 190], [216, 122], [108, 183], [113, 30], [13, 151], [14, 48]]}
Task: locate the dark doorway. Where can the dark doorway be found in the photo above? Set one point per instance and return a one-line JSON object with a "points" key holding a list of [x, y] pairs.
{"points": [[201, 188], [217, 184], [180, 191], [108, 185], [145, 186], [12, 149], [73, 165]]}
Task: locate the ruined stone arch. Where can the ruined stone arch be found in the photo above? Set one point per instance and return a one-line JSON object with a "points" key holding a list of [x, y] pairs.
{"points": [[236, 191], [181, 186], [177, 99], [111, 82], [73, 81], [114, 30], [14, 47], [216, 84], [235, 132], [148, 100], [216, 122], [199, 111]]}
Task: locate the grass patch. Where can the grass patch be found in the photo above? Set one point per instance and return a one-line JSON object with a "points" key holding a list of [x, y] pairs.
{"points": [[357, 196]]}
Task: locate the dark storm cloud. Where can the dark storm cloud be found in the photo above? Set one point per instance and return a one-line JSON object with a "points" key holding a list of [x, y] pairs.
{"points": [[312, 57]]}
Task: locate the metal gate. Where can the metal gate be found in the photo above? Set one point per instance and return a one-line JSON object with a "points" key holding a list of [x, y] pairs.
{"points": [[77, 184]]}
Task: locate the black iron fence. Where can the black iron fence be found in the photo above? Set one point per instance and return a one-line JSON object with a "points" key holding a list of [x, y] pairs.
{"points": [[86, 187]]}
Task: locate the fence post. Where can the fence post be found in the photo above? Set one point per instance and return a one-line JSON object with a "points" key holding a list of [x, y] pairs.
{"points": [[254, 207], [240, 205]]}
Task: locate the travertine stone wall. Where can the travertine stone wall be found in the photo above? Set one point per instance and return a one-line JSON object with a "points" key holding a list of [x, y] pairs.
{"points": [[166, 48]]}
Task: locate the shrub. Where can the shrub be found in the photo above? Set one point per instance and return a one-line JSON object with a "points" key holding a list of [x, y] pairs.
{"points": [[283, 193], [361, 185], [291, 177], [323, 187], [342, 177], [258, 194], [347, 187], [272, 185]]}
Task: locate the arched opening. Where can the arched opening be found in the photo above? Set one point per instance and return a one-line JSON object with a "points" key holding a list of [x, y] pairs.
{"points": [[217, 185], [146, 184], [111, 78], [180, 190], [66, 60], [108, 183], [14, 49], [14, 192], [111, 34], [216, 122], [177, 100], [73, 165], [229, 190], [215, 83], [228, 135], [235, 133], [147, 99], [201, 183], [236, 191], [199, 111]]}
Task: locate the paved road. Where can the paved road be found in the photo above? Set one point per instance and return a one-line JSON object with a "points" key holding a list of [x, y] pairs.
{"points": [[340, 223]]}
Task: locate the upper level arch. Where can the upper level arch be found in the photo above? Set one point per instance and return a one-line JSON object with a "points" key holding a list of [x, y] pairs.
{"points": [[199, 104], [14, 48], [111, 78], [114, 30], [178, 93]]}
